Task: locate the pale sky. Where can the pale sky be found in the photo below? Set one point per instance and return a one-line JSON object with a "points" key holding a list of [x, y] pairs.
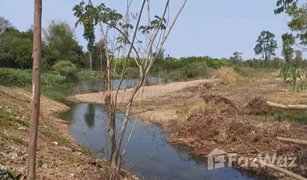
{"points": [[215, 28]]}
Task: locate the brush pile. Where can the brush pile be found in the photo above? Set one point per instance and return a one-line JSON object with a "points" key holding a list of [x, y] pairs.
{"points": [[228, 127]]}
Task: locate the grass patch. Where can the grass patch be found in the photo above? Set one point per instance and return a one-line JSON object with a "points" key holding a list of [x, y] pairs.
{"points": [[47, 133], [7, 120], [15, 140], [58, 92], [18, 140], [296, 116], [70, 158], [3, 137]]}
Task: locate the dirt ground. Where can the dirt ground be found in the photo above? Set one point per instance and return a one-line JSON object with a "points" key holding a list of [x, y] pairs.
{"points": [[145, 93], [228, 112], [58, 156]]}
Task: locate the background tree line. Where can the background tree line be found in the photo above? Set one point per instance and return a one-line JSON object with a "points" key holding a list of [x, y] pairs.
{"points": [[60, 46]]}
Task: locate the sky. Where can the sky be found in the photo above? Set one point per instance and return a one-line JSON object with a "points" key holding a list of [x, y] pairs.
{"points": [[215, 28]]}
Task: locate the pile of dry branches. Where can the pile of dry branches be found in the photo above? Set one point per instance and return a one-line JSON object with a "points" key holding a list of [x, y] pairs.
{"points": [[225, 126]]}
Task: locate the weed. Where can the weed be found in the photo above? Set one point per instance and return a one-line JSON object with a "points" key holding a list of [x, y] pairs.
{"points": [[7, 119], [3, 137], [18, 140], [70, 158]]}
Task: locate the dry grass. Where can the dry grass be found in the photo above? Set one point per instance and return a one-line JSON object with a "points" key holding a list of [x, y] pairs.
{"points": [[229, 77]]}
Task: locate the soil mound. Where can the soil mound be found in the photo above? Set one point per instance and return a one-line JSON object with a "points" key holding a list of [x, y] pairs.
{"points": [[257, 106]]}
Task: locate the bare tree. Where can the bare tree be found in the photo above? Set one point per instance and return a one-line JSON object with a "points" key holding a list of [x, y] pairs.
{"points": [[36, 89], [126, 39]]}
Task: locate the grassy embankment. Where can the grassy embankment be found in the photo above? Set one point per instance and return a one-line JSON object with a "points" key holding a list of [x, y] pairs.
{"points": [[58, 155], [53, 85]]}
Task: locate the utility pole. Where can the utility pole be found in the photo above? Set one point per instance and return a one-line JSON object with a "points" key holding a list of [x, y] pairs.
{"points": [[37, 38]]}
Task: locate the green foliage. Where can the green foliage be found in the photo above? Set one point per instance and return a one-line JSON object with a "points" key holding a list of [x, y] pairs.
{"points": [[187, 67], [89, 16], [298, 15], [60, 43], [282, 5], [50, 78], [298, 60], [66, 68], [15, 48], [11, 77], [195, 70], [293, 76], [8, 120], [236, 58], [287, 43], [266, 45], [4, 23], [275, 63]]}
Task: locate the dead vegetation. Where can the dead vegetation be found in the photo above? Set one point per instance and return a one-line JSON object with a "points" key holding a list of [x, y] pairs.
{"points": [[226, 126]]}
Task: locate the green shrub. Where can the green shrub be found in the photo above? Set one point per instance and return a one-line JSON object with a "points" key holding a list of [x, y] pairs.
{"points": [[14, 77], [195, 70], [66, 68], [48, 78]]}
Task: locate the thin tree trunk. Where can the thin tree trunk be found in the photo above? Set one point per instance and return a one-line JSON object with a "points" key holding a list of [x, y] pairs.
{"points": [[101, 61], [284, 106], [281, 170], [31, 171], [91, 61], [293, 141]]}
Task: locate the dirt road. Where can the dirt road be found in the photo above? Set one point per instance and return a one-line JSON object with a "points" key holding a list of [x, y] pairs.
{"points": [[145, 93]]}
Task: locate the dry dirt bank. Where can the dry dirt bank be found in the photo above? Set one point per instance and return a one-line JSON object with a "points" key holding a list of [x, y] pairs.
{"points": [[58, 156], [145, 93]]}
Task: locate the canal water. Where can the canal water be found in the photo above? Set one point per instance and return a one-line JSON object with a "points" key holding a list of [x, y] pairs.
{"points": [[148, 154]]}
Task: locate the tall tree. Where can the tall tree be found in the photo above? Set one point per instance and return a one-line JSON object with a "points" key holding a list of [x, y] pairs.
{"points": [[15, 48], [287, 49], [61, 43], [282, 5], [4, 23], [31, 171], [266, 45], [236, 57]]}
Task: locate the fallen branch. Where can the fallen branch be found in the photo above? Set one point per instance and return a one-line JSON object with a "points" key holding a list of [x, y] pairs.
{"points": [[283, 106], [284, 171], [294, 141]]}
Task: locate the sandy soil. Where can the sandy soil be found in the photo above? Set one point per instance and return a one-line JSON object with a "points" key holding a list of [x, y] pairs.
{"points": [[58, 156], [145, 93]]}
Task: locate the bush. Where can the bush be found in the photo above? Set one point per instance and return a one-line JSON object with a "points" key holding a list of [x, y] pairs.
{"points": [[49, 78], [196, 70], [13, 77], [67, 69]]}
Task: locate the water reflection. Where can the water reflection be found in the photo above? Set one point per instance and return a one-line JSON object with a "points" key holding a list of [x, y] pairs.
{"points": [[98, 85], [148, 155], [89, 116]]}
